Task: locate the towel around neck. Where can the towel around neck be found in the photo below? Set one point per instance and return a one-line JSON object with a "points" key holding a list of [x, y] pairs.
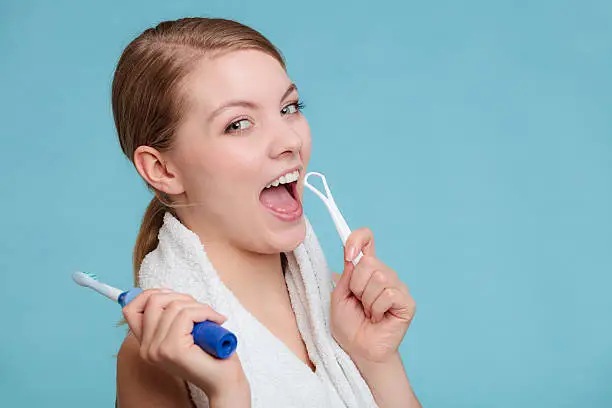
{"points": [[276, 375]]}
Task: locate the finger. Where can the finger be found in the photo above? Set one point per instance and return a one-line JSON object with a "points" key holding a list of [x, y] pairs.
{"points": [[395, 301], [165, 320], [342, 289], [170, 314], [373, 288], [359, 240], [183, 323], [363, 271], [382, 303], [155, 306], [134, 310], [336, 277]]}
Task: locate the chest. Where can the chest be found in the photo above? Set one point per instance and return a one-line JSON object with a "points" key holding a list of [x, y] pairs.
{"points": [[279, 319]]}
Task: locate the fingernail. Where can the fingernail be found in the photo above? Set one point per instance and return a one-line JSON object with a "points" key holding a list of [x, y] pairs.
{"points": [[351, 253]]}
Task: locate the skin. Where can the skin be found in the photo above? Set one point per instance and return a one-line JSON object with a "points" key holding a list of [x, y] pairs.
{"points": [[223, 170]]}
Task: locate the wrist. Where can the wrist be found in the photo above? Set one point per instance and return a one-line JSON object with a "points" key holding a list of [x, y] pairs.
{"points": [[394, 361], [388, 381]]}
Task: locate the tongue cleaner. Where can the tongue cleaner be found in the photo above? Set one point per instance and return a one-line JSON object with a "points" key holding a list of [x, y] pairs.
{"points": [[343, 229]]}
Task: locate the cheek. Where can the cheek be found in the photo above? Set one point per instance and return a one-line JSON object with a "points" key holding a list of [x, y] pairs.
{"points": [[196, 169], [235, 167], [304, 131]]}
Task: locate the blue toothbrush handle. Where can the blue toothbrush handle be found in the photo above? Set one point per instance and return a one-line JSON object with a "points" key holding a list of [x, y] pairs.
{"points": [[210, 336]]}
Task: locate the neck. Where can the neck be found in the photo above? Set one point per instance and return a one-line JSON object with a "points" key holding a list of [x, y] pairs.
{"points": [[249, 275]]}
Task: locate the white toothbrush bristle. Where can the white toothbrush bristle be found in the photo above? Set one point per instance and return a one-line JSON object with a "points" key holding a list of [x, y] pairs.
{"points": [[84, 278], [91, 281]]}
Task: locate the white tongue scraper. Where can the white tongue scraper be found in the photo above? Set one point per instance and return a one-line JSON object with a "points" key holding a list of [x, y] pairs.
{"points": [[343, 229]]}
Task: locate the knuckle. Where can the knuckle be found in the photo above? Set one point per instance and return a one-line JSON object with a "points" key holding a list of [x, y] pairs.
{"points": [[183, 314], [356, 291], [388, 293], [363, 231], [148, 294], [143, 354], [187, 297], [154, 356], [379, 276], [174, 306], [155, 301], [165, 352], [366, 260], [368, 234]]}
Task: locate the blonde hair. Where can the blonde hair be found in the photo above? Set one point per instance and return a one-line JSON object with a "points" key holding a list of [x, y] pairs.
{"points": [[147, 97]]}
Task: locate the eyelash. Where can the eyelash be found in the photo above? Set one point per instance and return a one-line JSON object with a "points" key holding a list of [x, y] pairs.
{"points": [[299, 105]]}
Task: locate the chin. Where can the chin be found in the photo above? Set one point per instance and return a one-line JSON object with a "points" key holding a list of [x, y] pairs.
{"points": [[290, 238]]}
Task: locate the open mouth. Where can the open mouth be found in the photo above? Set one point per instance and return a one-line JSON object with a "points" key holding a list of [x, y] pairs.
{"points": [[292, 189], [282, 200]]}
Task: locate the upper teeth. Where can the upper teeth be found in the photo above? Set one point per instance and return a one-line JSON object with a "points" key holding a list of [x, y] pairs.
{"points": [[285, 178]]}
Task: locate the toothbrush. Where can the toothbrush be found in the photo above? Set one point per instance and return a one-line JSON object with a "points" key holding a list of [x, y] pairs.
{"points": [[341, 226], [210, 336]]}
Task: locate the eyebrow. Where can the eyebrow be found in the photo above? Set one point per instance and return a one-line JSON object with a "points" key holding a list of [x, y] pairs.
{"points": [[248, 104]]}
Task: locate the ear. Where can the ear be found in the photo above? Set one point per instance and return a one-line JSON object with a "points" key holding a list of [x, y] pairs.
{"points": [[156, 171]]}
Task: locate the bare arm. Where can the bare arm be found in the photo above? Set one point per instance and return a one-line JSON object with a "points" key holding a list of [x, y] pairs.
{"points": [[140, 384], [389, 383]]}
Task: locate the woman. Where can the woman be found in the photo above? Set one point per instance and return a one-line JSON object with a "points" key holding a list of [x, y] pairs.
{"points": [[207, 113]]}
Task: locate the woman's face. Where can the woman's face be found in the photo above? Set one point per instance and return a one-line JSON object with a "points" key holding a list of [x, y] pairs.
{"points": [[243, 130]]}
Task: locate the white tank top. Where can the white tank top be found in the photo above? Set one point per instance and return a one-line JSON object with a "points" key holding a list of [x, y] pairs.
{"points": [[278, 377]]}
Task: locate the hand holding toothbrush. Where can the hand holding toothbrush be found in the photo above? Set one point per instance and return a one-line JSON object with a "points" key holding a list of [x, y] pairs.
{"points": [[371, 308], [162, 321]]}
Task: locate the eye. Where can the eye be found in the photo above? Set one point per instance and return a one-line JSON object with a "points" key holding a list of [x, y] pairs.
{"points": [[238, 126], [292, 108]]}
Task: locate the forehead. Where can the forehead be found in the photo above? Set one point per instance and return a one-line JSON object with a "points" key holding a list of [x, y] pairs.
{"points": [[236, 75]]}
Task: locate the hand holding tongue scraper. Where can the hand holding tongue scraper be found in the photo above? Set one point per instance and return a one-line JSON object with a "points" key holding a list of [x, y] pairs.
{"points": [[343, 229]]}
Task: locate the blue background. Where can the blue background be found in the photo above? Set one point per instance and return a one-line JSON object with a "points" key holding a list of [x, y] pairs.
{"points": [[474, 138]]}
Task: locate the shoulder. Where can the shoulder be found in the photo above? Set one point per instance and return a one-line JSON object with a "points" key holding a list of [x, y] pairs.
{"points": [[140, 383]]}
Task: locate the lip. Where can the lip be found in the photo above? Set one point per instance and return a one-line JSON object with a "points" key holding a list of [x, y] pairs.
{"points": [[290, 170]]}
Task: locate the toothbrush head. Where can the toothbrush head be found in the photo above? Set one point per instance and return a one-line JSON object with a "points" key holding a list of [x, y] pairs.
{"points": [[89, 280], [84, 278]]}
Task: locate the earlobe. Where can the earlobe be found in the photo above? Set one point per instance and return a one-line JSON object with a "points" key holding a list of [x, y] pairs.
{"points": [[152, 167]]}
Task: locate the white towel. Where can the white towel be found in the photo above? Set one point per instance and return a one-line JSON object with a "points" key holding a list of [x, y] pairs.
{"points": [[278, 378]]}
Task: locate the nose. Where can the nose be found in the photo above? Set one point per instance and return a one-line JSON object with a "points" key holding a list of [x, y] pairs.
{"points": [[286, 140]]}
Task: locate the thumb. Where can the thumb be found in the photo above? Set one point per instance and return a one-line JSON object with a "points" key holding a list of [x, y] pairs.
{"points": [[336, 277], [343, 281]]}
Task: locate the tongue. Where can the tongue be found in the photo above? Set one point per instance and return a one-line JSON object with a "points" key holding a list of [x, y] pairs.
{"points": [[279, 199]]}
